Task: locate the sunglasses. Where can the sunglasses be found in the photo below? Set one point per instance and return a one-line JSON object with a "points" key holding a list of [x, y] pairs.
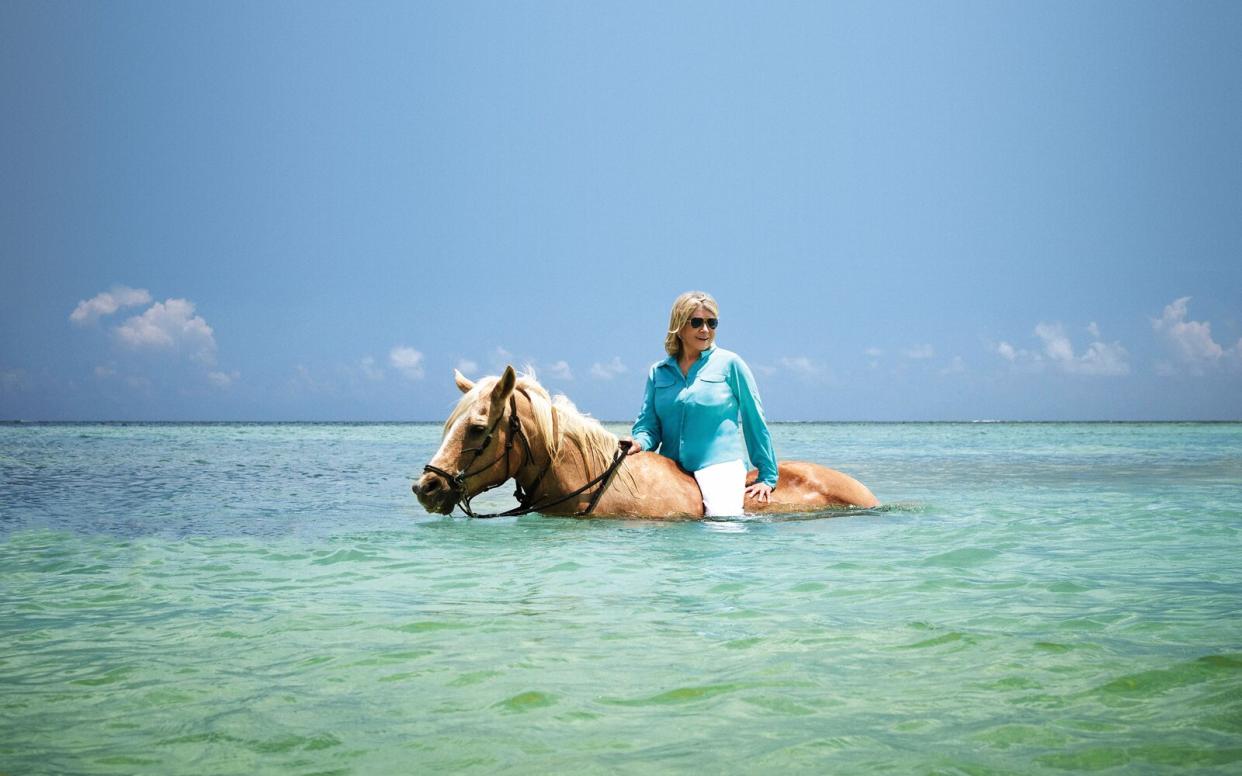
{"points": [[712, 323]]}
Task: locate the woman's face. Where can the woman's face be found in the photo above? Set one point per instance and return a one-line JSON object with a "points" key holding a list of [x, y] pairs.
{"points": [[695, 340]]}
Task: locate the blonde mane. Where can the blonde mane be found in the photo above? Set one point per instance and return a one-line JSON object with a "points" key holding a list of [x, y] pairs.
{"points": [[575, 430]]}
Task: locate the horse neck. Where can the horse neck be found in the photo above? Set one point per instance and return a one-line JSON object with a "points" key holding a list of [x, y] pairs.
{"points": [[568, 473]]}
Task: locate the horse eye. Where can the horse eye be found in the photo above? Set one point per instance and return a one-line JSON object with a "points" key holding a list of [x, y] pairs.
{"points": [[477, 429]]}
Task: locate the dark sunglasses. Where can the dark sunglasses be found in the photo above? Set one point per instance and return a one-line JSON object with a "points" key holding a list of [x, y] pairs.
{"points": [[712, 323]]}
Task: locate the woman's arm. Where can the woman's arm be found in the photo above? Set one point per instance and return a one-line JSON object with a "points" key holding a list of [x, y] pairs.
{"points": [[646, 430], [754, 424]]}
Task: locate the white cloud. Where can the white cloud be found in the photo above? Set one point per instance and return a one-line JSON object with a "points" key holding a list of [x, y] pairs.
{"points": [[919, 352], [500, 359], [171, 324], [873, 352], [800, 365], [1056, 345], [105, 370], [1100, 358], [370, 370], [559, 370], [609, 370], [1191, 341], [1093, 329], [304, 381], [467, 367], [407, 361], [1020, 359], [223, 379], [107, 302]]}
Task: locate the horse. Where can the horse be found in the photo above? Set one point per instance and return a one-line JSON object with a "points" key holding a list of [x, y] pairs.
{"points": [[551, 450]]}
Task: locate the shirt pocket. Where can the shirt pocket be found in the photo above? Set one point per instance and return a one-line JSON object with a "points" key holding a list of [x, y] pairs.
{"points": [[713, 390], [667, 389]]}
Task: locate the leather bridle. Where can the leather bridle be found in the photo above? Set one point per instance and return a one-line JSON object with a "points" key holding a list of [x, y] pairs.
{"points": [[525, 496]]}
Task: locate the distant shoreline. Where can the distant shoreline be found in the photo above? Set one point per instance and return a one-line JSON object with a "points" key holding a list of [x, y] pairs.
{"points": [[605, 422]]}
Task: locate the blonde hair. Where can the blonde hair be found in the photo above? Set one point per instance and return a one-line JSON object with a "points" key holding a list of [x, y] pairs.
{"points": [[683, 310]]}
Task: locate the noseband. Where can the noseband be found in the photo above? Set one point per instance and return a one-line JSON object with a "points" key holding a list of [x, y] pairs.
{"points": [[525, 496], [457, 482]]}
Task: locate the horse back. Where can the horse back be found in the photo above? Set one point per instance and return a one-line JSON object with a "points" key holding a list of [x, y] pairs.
{"points": [[805, 486]]}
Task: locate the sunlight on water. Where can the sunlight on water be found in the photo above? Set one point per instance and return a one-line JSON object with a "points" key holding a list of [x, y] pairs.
{"points": [[270, 598]]}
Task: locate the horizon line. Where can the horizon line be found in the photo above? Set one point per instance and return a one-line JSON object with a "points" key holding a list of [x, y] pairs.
{"points": [[978, 421]]}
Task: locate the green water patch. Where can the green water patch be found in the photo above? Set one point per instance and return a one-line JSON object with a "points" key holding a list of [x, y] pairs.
{"points": [[780, 706], [290, 743], [680, 695], [126, 760], [430, 626], [1014, 683], [1009, 735], [1155, 682], [1066, 586], [808, 587], [568, 565], [956, 638], [965, 557], [473, 677], [527, 701], [400, 677], [108, 677], [389, 658], [1098, 758]]}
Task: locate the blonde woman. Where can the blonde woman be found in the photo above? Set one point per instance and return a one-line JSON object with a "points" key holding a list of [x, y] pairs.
{"points": [[692, 407]]}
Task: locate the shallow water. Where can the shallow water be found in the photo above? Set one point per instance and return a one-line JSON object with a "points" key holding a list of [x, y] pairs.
{"points": [[244, 598]]}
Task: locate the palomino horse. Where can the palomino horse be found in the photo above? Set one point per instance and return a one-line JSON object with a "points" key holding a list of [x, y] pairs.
{"points": [[509, 426]]}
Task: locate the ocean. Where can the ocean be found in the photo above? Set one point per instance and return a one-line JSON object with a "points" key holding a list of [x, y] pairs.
{"points": [[270, 598]]}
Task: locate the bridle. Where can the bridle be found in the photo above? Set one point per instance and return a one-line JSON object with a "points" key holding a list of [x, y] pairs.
{"points": [[525, 496]]}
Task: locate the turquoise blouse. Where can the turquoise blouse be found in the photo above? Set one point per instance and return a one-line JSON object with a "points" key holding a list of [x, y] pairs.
{"points": [[694, 419]]}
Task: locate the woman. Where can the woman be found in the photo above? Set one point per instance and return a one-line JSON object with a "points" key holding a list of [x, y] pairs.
{"points": [[692, 406]]}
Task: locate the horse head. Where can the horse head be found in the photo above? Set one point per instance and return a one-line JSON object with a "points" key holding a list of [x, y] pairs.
{"points": [[474, 454]]}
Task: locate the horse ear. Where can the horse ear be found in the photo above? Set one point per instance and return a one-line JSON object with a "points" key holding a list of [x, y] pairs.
{"points": [[504, 387], [463, 384]]}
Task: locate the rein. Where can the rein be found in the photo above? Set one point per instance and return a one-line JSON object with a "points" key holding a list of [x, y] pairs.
{"points": [[525, 497]]}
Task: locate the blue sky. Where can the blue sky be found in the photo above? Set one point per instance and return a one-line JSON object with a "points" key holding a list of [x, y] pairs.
{"points": [[908, 211]]}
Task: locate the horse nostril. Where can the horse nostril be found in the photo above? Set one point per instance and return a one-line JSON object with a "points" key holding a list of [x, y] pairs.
{"points": [[433, 485]]}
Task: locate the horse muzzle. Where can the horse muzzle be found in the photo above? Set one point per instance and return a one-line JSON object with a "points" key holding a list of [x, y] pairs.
{"points": [[435, 493]]}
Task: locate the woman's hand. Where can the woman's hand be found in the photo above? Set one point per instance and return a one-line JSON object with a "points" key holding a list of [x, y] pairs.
{"points": [[761, 491], [633, 448]]}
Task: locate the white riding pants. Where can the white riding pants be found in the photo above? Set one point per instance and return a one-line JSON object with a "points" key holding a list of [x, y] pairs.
{"points": [[723, 486]]}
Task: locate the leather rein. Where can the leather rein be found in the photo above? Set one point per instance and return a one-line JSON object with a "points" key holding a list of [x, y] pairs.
{"points": [[525, 496]]}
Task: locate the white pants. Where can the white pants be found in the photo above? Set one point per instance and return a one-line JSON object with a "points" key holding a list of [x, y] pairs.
{"points": [[723, 486]]}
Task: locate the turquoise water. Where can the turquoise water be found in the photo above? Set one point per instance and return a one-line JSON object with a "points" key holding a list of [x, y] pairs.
{"points": [[1037, 598]]}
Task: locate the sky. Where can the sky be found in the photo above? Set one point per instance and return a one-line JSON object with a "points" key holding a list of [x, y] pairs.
{"points": [[907, 211]]}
